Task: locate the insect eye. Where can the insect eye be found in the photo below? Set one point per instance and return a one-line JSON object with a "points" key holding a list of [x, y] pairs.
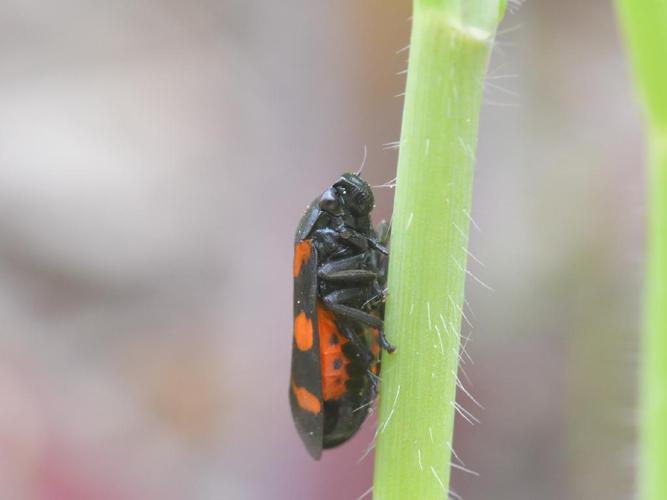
{"points": [[328, 202], [329, 205]]}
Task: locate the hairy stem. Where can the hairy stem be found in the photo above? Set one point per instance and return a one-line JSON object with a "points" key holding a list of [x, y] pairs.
{"points": [[653, 430], [449, 52]]}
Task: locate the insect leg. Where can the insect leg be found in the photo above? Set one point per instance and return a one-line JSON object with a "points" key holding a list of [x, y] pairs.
{"points": [[351, 277], [334, 300], [359, 345], [349, 270], [374, 379], [377, 246], [383, 230]]}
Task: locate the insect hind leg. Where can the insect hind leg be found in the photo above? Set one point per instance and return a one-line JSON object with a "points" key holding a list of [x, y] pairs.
{"points": [[361, 348], [334, 300]]}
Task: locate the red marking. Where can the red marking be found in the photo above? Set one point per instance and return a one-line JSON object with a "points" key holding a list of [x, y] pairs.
{"points": [[303, 332], [333, 379], [306, 399], [302, 253]]}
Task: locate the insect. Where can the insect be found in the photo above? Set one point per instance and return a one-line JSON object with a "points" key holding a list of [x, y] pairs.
{"points": [[340, 267]]}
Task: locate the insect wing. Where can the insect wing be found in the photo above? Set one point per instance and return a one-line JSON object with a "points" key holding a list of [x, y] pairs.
{"points": [[306, 378], [308, 221]]}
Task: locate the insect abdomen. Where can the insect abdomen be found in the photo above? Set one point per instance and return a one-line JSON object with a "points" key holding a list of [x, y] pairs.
{"points": [[333, 360]]}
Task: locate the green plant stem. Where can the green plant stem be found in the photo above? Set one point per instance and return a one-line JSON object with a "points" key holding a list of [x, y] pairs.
{"points": [[653, 399], [448, 60], [645, 25]]}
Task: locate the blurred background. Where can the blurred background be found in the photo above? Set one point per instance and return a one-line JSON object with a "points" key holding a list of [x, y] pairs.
{"points": [[155, 158]]}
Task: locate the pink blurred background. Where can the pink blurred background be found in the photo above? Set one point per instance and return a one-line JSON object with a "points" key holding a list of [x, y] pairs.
{"points": [[155, 158]]}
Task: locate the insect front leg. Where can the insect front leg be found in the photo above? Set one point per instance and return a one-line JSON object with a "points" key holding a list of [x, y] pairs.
{"points": [[348, 272], [378, 262]]}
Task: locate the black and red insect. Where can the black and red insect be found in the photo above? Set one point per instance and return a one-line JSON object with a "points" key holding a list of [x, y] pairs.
{"points": [[340, 267]]}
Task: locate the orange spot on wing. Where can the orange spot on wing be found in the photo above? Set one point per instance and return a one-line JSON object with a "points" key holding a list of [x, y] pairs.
{"points": [[302, 253], [303, 332], [306, 399]]}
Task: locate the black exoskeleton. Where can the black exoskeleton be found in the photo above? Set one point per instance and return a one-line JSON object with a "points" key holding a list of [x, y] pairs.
{"points": [[352, 256]]}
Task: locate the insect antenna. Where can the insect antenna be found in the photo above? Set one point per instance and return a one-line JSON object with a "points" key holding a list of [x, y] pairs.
{"points": [[363, 161]]}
